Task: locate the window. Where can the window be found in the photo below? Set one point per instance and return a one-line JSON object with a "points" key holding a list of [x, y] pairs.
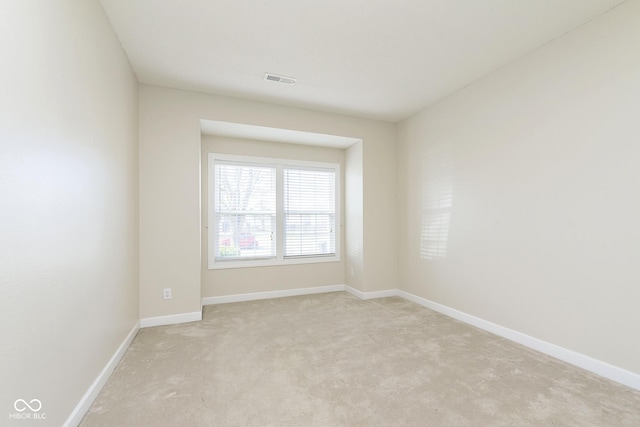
{"points": [[270, 211], [309, 212], [245, 210]]}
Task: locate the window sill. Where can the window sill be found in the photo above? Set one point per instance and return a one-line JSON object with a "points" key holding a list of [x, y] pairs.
{"points": [[221, 265]]}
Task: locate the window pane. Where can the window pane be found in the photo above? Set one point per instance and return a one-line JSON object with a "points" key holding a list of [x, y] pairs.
{"points": [[309, 212], [245, 201]]}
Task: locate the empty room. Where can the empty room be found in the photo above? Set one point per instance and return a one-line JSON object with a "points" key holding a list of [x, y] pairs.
{"points": [[303, 213]]}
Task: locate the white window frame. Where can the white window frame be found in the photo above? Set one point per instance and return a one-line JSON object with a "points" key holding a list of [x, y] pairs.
{"points": [[279, 164]]}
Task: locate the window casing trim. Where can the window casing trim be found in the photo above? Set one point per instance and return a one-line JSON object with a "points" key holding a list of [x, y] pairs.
{"points": [[280, 165]]}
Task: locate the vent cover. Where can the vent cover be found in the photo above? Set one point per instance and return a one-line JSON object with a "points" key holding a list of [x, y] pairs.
{"points": [[280, 79]]}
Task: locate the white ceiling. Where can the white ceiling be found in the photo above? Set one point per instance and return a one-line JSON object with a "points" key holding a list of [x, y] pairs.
{"points": [[379, 59]]}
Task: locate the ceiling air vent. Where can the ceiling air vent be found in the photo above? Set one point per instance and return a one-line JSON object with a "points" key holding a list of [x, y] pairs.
{"points": [[280, 79]]}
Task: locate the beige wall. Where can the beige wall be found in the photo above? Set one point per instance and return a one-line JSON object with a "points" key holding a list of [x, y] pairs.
{"points": [[232, 281], [68, 202], [170, 205], [354, 215], [540, 162]]}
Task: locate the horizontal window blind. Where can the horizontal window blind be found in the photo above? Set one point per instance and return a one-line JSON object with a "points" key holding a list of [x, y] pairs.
{"points": [[309, 212], [245, 211]]}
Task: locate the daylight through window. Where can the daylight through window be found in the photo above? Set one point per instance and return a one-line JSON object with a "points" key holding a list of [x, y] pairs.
{"points": [[270, 211]]}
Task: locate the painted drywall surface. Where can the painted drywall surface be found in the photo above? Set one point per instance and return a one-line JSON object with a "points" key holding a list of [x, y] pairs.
{"points": [[170, 210], [219, 282], [520, 200], [354, 217], [68, 203]]}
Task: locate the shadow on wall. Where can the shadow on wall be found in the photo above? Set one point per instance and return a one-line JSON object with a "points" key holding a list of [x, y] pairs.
{"points": [[437, 200]]}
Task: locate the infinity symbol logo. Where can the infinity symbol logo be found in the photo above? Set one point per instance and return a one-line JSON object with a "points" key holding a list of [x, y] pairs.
{"points": [[21, 405]]}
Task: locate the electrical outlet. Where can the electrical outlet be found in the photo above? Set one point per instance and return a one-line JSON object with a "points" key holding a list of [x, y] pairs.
{"points": [[166, 293], [351, 271]]}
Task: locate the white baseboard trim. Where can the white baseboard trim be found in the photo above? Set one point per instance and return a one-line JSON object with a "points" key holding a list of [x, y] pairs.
{"points": [[171, 319], [371, 295], [271, 294], [85, 403], [614, 373]]}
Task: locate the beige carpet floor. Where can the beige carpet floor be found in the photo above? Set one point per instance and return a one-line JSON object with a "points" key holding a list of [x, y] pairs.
{"points": [[334, 360]]}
